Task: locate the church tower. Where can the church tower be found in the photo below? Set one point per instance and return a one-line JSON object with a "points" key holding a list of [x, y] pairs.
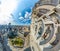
{"points": [[45, 26]]}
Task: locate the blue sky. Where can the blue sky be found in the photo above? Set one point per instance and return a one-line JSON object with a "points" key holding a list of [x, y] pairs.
{"points": [[18, 12]]}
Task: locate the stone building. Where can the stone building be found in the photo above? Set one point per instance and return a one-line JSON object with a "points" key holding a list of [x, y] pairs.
{"points": [[24, 30], [45, 26]]}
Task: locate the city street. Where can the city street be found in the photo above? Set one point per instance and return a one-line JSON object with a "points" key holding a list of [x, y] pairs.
{"points": [[3, 41]]}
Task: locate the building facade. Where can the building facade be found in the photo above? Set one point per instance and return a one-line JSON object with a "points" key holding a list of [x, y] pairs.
{"points": [[45, 26]]}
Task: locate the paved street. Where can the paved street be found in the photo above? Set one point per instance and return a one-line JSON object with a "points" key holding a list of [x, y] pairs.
{"points": [[3, 41]]}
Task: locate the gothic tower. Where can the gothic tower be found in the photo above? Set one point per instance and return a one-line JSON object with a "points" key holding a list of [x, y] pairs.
{"points": [[45, 26]]}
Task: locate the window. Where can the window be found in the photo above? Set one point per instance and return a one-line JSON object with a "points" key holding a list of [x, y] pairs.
{"points": [[41, 29]]}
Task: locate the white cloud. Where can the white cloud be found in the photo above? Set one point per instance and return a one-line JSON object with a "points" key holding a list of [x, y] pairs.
{"points": [[30, 17], [21, 18], [5, 19], [27, 15], [19, 14], [6, 8]]}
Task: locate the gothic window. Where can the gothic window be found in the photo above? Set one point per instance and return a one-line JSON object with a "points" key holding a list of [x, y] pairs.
{"points": [[40, 30], [35, 27]]}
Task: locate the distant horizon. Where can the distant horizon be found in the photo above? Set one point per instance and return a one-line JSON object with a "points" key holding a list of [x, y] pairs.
{"points": [[16, 24]]}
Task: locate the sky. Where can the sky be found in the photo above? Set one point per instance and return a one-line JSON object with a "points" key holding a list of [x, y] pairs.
{"points": [[16, 12]]}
